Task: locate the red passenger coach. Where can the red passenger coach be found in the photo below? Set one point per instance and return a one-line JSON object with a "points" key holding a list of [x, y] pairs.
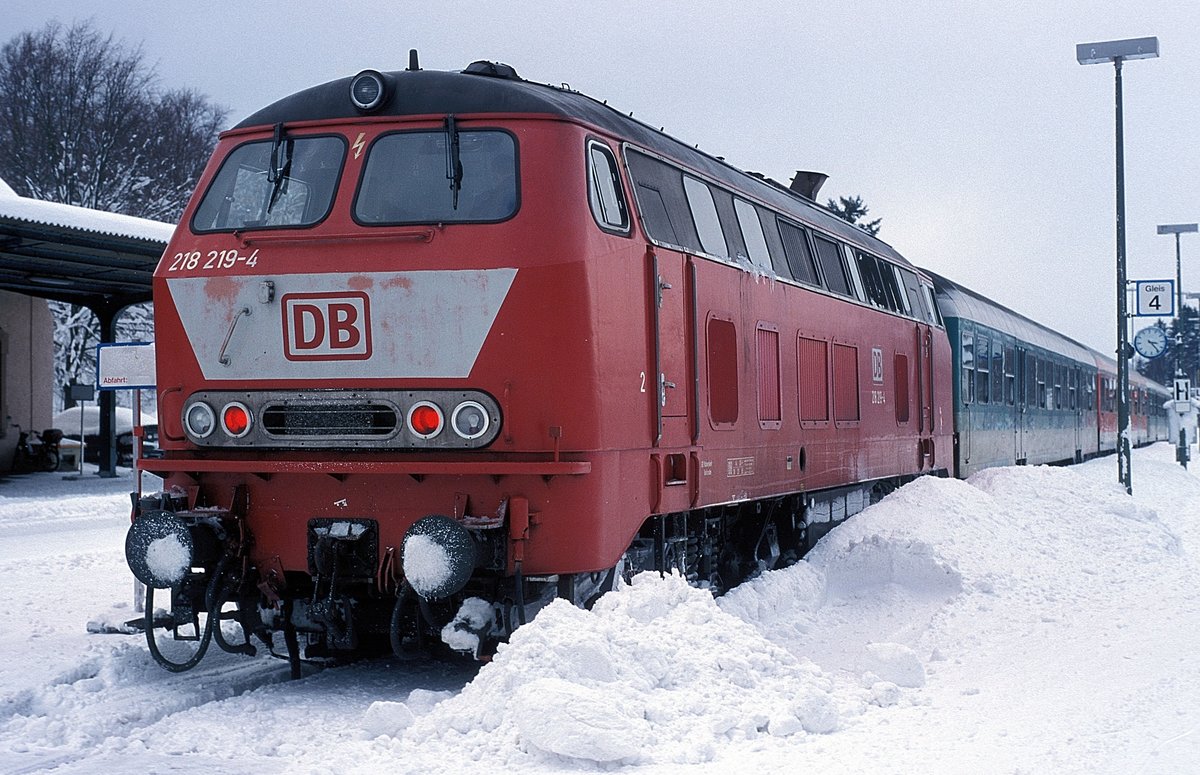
{"points": [[437, 347]]}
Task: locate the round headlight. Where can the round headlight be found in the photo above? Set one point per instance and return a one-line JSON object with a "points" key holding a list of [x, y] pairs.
{"points": [[236, 419], [425, 420], [368, 90], [199, 420], [470, 420]]}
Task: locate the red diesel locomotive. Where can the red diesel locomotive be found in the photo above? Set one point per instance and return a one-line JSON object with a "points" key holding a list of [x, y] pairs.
{"points": [[437, 347]]}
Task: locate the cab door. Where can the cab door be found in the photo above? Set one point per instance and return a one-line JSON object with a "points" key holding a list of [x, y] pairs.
{"points": [[671, 383], [925, 394], [1021, 410]]}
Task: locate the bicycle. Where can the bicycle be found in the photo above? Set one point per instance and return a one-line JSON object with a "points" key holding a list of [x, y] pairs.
{"points": [[39, 455]]}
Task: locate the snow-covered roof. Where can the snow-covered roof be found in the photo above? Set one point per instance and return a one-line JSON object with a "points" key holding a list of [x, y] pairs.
{"points": [[20, 208]]}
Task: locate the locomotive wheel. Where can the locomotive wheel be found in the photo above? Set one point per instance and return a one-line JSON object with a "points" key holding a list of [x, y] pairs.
{"points": [[177, 640]]}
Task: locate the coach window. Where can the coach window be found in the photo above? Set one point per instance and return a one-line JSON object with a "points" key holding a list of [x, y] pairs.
{"points": [[752, 234], [968, 367], [997, 371], [1042, 401], [404, 178], [832, 266], [799, 254], [604, 190], [264, 185], [1010, 377], [982, 357], [704, 215], [1029, 394]]}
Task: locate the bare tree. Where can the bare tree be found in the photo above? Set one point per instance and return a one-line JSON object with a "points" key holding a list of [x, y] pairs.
{"points": [[82, 121], [76, 334]]}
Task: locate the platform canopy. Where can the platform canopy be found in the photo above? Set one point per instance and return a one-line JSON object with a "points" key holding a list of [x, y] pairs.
{"points": [[95, 259], [99, 260]]}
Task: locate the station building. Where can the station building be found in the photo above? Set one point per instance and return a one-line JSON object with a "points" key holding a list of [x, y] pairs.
{"points": [[49, 251]]}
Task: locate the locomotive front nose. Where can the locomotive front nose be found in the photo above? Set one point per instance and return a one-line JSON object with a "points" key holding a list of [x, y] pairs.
{"points": [[439, 556]]}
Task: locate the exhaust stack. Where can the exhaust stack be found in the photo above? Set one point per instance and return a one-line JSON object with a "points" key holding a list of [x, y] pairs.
{"points": [[807, 183]]}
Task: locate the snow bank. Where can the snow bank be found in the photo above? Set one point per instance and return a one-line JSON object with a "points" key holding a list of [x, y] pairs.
{"points": [[1027, 620], [655, 673]]}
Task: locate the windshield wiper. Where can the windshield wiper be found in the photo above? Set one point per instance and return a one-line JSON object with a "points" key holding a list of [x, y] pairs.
{"points": [[454, 168], [278, 174]]}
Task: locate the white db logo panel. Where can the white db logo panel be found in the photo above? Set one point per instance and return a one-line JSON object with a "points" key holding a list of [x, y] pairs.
{"points": [[326, 326]]}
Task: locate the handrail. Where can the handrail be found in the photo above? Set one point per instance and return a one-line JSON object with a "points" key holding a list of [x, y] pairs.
{"points": [[423, 234]]}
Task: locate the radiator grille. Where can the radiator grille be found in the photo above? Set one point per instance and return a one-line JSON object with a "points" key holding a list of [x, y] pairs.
{"points": [[360, 419]]}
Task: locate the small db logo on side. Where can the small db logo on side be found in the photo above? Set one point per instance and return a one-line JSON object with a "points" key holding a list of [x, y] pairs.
{"points": [[326, 326]]}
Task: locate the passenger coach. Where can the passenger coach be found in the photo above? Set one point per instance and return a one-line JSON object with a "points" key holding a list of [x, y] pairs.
{"points": [[1026, 395]]}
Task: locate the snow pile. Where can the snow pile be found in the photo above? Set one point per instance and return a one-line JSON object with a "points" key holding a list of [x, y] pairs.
{"points": [[474, 617], [1027, 620], [655, 673]]}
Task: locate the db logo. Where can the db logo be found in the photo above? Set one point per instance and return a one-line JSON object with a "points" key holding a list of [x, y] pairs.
{"points": [[326, 326]]}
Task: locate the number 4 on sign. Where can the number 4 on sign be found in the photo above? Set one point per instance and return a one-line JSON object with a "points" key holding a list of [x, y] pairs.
{"points": [[1155, 298]]}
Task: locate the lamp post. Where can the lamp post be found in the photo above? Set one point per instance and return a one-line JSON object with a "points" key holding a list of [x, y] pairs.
{"points": [[1196, 380], [1177, 229], [1117, 52]]}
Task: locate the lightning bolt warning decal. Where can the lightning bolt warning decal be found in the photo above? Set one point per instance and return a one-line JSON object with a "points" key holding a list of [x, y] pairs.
{"points": [[358, 144]]}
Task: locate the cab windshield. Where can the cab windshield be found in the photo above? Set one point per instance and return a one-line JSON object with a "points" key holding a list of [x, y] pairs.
{"points": [[267, 184], [410, 178]]}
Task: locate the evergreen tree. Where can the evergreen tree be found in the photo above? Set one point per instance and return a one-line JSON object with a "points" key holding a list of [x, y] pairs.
{"points": [[852, 209]]}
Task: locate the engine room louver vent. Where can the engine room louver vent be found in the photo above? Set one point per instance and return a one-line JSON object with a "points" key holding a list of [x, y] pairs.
{"points": [[330, 420]]}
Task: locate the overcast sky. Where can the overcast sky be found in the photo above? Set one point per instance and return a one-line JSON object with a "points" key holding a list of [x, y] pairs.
{"points": [[968, 127]]}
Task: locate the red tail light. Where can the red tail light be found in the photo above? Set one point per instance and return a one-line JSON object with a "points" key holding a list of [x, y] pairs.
{"points": [[425, 420], [236, 419]]}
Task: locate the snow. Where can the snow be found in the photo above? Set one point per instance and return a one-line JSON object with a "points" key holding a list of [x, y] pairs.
{"points": [[474, 618], [68, 420], [21, 208], [1027, 620], [426, 563], [167, 559]]}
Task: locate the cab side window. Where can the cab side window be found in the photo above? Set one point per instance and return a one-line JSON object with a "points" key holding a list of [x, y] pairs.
{"points": [[604, 189]]}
